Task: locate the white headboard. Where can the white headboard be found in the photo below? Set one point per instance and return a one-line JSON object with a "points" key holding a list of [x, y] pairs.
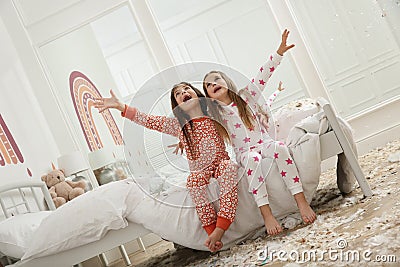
{"points": [[16, 197]]}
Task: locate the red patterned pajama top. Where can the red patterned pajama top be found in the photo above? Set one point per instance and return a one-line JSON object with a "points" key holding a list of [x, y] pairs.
{"points": [[207, 158]]}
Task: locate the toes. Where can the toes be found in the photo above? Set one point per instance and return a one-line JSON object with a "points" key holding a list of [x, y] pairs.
{"points": [[211, 247], [272, 231], [314, 217], [309, 219]]}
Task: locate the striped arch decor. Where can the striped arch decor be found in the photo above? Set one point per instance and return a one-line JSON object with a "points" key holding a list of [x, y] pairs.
{"points": [[9, 150], [83, 93]]}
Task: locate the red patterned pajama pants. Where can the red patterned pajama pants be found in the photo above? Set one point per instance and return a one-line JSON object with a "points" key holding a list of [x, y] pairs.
{"points": [[197, 183]]}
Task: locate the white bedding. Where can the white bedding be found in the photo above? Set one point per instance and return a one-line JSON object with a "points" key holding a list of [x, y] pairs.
{"points": [[83, 220], [17, 231], [167, 177]]}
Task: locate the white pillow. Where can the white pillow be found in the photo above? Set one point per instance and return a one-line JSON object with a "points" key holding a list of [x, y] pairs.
{"points": [[170, 176], [150, 183], [292, 113], [16, 232], [174, 175], [155, 184], [82, 220]]}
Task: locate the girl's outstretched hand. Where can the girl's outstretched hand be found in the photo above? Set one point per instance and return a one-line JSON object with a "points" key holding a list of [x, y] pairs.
{"points": [[283, 47], [105, 103]]}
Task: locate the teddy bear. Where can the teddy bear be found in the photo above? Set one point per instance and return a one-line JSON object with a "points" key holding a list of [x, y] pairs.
{"points": [[62, 190]]}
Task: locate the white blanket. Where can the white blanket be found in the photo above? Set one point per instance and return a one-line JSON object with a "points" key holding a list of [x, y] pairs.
{"points": [[82, 220]]}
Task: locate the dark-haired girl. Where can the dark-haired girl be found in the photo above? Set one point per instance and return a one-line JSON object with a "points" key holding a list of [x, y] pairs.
{"points": [[204, 144]]}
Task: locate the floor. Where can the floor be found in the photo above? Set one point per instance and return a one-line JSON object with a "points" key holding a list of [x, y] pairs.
{"points": [[360, 224], [136, 258]]}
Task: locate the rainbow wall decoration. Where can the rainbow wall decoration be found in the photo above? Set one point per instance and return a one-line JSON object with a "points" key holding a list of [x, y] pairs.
{"points": [[83, 93], [9, 151]]}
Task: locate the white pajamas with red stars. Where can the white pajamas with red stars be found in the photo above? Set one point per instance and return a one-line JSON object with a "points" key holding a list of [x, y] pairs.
{"points": [[253, 145], [207, 158]]}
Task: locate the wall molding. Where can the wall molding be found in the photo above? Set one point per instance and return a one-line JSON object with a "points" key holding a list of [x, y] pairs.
{"points": [[377, 125]]}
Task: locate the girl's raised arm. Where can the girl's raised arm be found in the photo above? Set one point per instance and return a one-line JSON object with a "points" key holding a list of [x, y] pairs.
{"points": [[257, 85], [162, 124], [103, 104], [272, 97], [159, 123]]}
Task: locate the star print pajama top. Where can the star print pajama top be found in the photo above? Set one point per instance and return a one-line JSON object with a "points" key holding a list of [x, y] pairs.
{"points": [[251, 146], [207, 158]]}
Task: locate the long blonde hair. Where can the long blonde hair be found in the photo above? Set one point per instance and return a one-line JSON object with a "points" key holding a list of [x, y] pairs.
{"points": [[245, 113]]}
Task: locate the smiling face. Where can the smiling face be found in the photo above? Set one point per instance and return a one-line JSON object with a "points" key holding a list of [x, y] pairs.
{"points": [[184, 93], [215, 86], [185, 96]]}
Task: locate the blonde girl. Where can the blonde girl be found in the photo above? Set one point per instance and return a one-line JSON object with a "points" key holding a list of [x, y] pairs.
{"points": [[250, 140]]}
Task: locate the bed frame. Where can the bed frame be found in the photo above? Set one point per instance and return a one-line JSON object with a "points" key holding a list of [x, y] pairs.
{"points": [[68, 258], [332, 143], [335, 142]]}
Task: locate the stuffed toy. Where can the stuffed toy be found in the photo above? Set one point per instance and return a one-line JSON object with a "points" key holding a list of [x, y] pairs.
{"points": [[62, 190]]}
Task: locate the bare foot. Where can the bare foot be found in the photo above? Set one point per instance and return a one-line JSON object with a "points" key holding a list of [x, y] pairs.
{"points": [[213, 241], [307, 214], [272, 225]]}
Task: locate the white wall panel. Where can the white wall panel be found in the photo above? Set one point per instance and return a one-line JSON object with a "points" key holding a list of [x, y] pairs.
{"points": [[244, 42], [65, 19], [331, 42], [371, 30], [34, 11], [242, 38], [390, 11], [178, 55], [247, 40], [357, 92], [22, 116], [384, 75], [200, 49], [349, 40], [132, 66]]}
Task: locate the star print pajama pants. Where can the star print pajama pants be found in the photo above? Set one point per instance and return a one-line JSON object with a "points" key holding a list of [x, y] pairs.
{"points": [[253, 169], [197, 182]]}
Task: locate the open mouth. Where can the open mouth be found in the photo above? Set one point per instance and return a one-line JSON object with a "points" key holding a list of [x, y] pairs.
{"points": [[187, 98], [217, 88]]}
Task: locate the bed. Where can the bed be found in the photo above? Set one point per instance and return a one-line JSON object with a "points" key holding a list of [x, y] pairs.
{"points": [[116, 231], [14, 198]]}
